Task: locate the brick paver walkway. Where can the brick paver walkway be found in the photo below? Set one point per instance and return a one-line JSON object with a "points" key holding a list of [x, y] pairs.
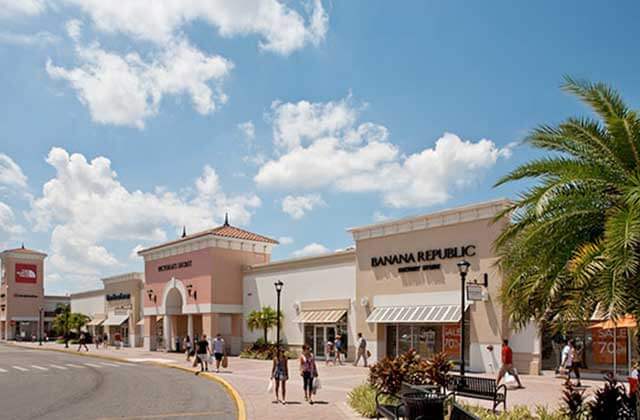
{"points": [[251, 377]]}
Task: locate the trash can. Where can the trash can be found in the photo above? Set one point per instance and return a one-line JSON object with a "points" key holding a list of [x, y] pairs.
{"points": [[423, 406]]}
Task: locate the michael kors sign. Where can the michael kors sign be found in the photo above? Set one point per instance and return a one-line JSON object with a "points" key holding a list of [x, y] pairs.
{"points": [[424, 256]]}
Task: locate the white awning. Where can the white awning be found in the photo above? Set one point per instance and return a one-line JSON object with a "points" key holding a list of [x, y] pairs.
{"points": [[320, 317], [96, 321], [430, 314], [141, 322], [116, 320]]}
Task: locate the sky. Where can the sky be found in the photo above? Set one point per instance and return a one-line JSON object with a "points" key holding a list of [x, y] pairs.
{"points": [[122, 122]]}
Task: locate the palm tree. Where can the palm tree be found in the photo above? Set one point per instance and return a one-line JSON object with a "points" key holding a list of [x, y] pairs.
{"points": [[264, 320], [573, 243], [61, 323]]}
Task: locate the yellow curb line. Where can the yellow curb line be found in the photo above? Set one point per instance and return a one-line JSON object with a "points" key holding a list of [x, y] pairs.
{"points": [[231, 391]]}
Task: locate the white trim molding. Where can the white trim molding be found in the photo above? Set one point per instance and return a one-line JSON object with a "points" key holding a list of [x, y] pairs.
{"points": [[486, 210], [123, 277]]}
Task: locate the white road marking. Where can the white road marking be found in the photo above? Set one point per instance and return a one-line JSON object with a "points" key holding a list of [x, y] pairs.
{"points": [[39, 367], [58, 367], [123, 364], [109, 364], [3, 370], [93, 365], [21, 369], [74, 366]]}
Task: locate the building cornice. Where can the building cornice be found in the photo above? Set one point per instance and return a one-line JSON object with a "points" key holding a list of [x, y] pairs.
{"points": [[32, 256], [208, 240], [88, 293], [123, 278], [474, 212], [339, 257]]}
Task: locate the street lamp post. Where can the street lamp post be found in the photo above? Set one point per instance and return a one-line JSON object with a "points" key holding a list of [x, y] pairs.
{"points": [[278, 286], [40, 325], [463, 267]]}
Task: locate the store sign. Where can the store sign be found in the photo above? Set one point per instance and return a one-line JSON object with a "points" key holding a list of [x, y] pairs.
{"points": [[475, 292], [175, 266], [424, 256], [118, 296], [19, 295], [603, 348], [26, 273], [451, 339]]}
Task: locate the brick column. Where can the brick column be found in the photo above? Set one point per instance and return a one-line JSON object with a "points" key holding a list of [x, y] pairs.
{"points": [[210, 324], [150, 333]]}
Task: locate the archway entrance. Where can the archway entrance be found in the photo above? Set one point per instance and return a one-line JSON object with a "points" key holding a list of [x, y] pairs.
{"points": [[174, 322]]}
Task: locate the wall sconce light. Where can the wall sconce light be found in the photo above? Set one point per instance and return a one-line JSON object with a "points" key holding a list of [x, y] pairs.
{"points": [[152, 296], [192, 293]]}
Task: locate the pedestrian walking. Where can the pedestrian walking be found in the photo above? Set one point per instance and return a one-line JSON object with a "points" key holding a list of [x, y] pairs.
{"points": [[330, 353], [570, 362], [202, 354], [98, 340], [105, 341], [308, 371], [361, 343], [557, 343], [187, 346], [82, 342], [280, 375], [218, 350], [339, 349], [118, 340], [507, 364], [633, 379]]}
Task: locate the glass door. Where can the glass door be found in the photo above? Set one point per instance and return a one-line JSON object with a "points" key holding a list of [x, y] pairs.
{"points": [[320, 342]]}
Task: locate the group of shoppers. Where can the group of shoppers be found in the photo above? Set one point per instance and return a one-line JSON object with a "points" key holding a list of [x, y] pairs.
{"points": [[203, 351]]}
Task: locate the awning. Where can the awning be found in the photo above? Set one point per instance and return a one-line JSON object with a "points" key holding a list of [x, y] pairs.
{"points": [[96, 321], [116, 320], [628, 321], [321, 317], [430, 314], [141, 322]]}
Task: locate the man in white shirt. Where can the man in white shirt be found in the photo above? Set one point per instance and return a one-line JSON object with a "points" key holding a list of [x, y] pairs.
{"points": [[361, 350], [218, 350]]}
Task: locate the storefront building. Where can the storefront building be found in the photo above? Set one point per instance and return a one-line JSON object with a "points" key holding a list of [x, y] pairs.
{"points": [[408, 288], [92, 304], [317, 300], [193, 286], [123, 308], [25, 311]]}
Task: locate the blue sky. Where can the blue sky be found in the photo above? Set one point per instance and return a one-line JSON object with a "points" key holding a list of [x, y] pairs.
{"points": [[118, 125]]}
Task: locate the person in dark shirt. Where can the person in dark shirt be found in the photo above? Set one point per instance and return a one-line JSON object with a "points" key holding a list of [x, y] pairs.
{"points": [[202, 353], [507, 364]]}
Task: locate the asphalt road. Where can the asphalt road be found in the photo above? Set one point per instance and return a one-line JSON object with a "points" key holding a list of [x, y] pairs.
{"points": [[38, 384]]}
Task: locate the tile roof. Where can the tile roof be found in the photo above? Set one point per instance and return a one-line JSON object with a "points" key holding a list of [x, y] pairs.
{"points": [[223, 231], [23, 251]]}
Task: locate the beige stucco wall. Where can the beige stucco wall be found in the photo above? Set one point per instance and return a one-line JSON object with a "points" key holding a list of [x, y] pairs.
{"points": [[488, 323]]}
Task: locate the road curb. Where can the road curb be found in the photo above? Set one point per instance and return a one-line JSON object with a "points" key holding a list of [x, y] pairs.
{"points": [[230, 390]]}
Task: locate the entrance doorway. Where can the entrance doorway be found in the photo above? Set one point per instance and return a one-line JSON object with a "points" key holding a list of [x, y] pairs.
{"points": [[316, 336]]}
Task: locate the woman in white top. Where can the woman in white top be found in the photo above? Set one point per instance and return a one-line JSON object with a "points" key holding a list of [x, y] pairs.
{"points": [[218, 350]]}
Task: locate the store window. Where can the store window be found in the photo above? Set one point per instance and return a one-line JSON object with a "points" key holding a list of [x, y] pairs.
{"points": [[427, 340]]}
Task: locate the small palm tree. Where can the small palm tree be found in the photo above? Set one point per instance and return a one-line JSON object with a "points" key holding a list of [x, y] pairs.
{"points": [[61, 323], [574, 238], [264, 320]]}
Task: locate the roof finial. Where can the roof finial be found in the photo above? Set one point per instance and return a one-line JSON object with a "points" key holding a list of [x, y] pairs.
{"points": [[22, 245], [226, 219], [184, 231]]}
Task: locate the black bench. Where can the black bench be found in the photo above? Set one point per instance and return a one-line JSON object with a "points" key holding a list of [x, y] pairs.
{"points": [[459, 413], [480, 388]]}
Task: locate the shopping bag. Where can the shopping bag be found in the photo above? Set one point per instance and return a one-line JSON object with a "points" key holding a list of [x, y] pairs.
{"points": [[270, 386], [225, 361], [510, 379], [316, 385]]}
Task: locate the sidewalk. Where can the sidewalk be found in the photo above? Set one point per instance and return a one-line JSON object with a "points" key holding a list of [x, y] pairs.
{"points": [[251, 377]]}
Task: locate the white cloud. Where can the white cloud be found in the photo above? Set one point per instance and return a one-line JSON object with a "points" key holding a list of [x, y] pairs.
{"points": [[74, 29], [310, 250], [378, 216], [321, 145], [285, 240], [13, 8], [38, 39], [133, 255], [11, 174], [281, 29], [126, 90], [297, 206], [9, 228], [86, 205], [248, 130]]}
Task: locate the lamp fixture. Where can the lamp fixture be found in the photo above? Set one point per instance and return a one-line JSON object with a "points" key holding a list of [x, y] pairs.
{"points": [[278, 285], [192, 293], [152, 296], [463, 266]]}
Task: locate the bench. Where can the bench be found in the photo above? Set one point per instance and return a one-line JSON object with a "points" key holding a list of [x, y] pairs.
{"points": [[412, 403], [459, 413], [479, 388]]}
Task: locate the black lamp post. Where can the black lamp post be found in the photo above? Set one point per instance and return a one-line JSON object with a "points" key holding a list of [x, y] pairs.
{"points": [[463, 267], [40, 325], [278, 286]]}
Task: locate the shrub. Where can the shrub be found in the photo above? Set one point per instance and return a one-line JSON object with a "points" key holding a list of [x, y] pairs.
{"points": [[518, 412], [262, 350], [363, 400], [438, 368], [388, 374], [573, 402], [611, 402]]}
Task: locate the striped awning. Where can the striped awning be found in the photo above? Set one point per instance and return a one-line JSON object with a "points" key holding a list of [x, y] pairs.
{"points": [[430, 314], [96, 321], [116, 320], [321, 317]]}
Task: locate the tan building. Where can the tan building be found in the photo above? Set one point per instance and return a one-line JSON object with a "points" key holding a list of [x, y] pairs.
{"points": [[123, 308], [408, 288]]}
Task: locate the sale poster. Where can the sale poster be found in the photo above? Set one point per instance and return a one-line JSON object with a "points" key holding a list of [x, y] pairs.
{"points": [[26, 273], [603, 347], [451, 340]]}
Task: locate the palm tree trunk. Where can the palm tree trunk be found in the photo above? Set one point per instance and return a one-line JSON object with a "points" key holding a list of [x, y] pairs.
{"points": [[265, 335]]}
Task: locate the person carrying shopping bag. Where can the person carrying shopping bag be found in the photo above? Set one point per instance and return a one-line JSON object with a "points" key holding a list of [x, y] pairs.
{"points": [[280, 375], [308, 371]]}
